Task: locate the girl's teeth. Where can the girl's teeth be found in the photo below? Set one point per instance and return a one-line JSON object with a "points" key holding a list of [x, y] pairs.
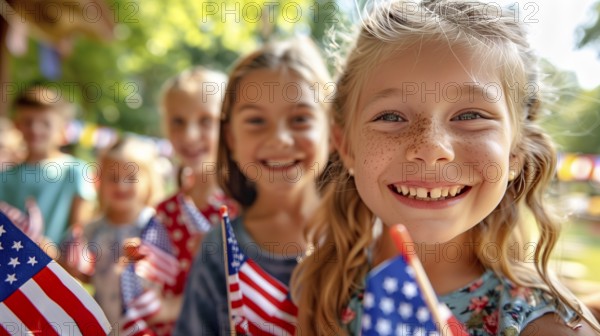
{"points": [[428, 195], [435, 193], [405, 190], [453, 190], [413, 191]]}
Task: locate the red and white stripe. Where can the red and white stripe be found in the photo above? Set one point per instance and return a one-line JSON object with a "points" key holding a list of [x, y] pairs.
{"points": [[140, 309], [262, 301], [157, 265], [52, 303]]}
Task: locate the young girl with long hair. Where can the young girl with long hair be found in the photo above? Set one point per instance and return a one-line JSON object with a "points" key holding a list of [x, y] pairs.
{"points": [[273, 145], [435, 123]]}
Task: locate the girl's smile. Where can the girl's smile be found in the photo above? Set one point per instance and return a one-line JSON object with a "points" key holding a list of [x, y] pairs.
{"points": [[422, 197]]}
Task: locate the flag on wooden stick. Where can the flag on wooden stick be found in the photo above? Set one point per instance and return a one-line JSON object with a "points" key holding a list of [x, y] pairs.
{"points": [[258, 303], [399, 299]]}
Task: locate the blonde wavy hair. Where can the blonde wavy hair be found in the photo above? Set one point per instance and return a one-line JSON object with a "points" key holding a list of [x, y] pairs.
{"points": [[342, 228], [301, 57]]}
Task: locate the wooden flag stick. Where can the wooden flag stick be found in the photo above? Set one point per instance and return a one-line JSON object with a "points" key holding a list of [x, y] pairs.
{"points": [[224, 214], [402, 240]]}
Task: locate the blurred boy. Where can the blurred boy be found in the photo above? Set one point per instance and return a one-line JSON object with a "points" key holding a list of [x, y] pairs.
{"points": [[10, 144], [55, 181]]}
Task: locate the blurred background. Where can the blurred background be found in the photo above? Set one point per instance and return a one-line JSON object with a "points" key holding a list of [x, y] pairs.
{"points": [[110, 58]]}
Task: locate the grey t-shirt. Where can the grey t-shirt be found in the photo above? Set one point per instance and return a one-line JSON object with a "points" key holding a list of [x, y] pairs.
{"points": [[105, 241], [205, 310]]}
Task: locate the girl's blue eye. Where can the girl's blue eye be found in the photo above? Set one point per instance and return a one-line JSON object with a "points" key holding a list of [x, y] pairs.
{"points": [[471, 115], [390, 117]]}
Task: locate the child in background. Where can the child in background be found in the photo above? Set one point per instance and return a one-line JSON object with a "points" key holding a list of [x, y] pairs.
{"points": [[272, 146], [128, 187], [11, 150], [30, 221], [430, 136], [190, 105], [56, 181]]}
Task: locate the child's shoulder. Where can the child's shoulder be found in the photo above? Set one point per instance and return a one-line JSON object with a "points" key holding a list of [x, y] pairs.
{"points": [[493, 303]]}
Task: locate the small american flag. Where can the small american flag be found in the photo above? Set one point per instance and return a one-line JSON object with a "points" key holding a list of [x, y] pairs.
{"points": [[395, 302], [260, 304], [196, 221], [139, 304], [37, 296], [158, 264]]}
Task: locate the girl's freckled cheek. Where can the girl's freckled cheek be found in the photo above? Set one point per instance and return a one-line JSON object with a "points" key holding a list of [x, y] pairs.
{"points": [[377, 149]]}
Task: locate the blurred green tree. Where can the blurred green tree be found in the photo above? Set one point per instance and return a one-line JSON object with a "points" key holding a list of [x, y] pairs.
{"points": [[118, 83], [576, 127], [572, 113], [589, 35]]}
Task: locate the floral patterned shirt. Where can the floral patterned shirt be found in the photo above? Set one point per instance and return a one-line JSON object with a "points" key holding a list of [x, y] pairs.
{"points": [[489, 306]]}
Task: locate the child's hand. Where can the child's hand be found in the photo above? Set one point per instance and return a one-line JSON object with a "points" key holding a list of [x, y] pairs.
{"points": [[131, 249]]}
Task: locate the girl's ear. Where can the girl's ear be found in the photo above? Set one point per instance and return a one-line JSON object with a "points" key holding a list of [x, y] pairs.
{"points": [[341, 145], [516, 162]]}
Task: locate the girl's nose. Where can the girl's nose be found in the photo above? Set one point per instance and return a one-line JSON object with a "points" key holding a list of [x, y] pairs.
{"points": [[431, 146], [192, 132], [122, 183], [281, 137]]}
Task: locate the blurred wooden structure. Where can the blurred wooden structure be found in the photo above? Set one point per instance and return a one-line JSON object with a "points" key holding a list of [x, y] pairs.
{"points": [[55, 22]]}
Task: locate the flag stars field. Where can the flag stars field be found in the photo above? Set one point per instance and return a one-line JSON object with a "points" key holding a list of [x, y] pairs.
{"points": [[17, 245], [366, 322], [390, 285], [422, 314], [383, 327], [405, 310], [10, 278], [409, 289], [14, 262], [393, 302], [387, 305]]}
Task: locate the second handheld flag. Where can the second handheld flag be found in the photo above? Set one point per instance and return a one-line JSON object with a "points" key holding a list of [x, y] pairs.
{"points": [[258, 303]]}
